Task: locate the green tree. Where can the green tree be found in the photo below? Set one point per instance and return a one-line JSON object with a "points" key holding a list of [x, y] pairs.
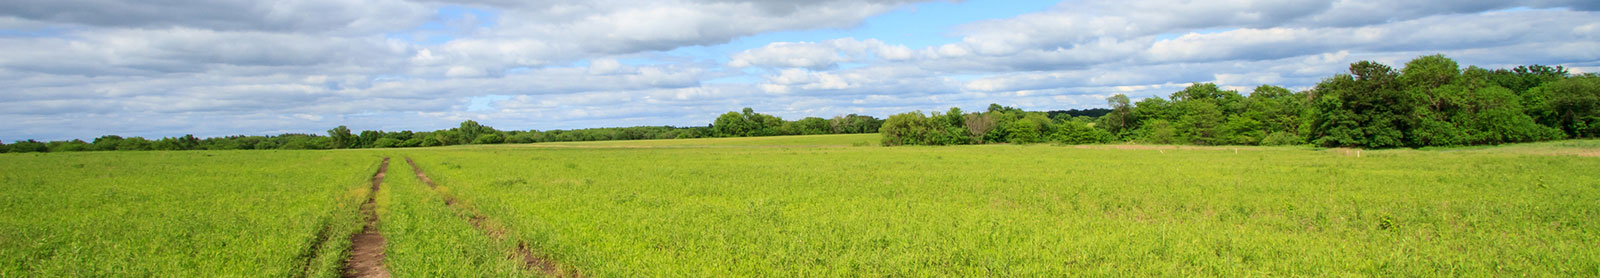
{"points": [[74, 145], [1079, 132], [492, 138], [1029, 129], [1121, 119], [134, 144], [850, 124], [470, 130], [1571, 104], [341, 137], [1363, 109], [1276, 109], [910, 128], [807, 126], [107, 143], [28, 146], [367, 139], [748, 123], [387, 143]]}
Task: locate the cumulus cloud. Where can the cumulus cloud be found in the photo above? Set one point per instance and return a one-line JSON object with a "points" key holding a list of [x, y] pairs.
{"points": [[82, 68], [823, 55], [227, 15], [540, 35]]}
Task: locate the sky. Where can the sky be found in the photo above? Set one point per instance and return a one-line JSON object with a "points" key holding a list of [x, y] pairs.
{"points": [[78, 69]]}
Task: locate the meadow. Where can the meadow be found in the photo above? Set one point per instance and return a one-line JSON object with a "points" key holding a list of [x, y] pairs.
{"points": [[179, 214], [830, 205]]}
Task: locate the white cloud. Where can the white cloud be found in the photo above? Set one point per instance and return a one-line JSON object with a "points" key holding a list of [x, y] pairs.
{"points": [[85, 68], [816, 56]]}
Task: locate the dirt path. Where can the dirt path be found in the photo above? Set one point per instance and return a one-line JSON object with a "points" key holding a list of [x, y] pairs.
{"points": [[530, 260], [366, 248]]}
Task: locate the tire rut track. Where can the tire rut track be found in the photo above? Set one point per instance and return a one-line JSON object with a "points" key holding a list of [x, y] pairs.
{"points": [[530, 260], [366, 248], [316, 245]]}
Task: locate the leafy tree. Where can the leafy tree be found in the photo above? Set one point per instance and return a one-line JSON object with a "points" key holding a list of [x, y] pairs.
{"points": [[319, 143], [493, 138], [368, 138], [911, 128], [74, 145], [1571, 104], [748, 123], [1524, 78], [1154, 108], [445, 138], [341, 137], [134, 144], [1029, 129], [4, 148], [807, 126], [1363, 109], [853, 123], [470, 131], [1200, 122], [1276, 109], [1158, 131], [1121, 118], [1079, 132], [107, 143], [387, 142], [28, 146], [266, 145], [1242, 130]]}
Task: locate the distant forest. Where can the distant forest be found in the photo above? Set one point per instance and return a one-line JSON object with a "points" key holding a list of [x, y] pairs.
{"points": [[1430, 101]]}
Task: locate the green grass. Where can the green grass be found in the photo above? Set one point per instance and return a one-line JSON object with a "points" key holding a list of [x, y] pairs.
{"points": [[179, 214], [834, 140], [806, 206], [1001, 210], [428, 239]]}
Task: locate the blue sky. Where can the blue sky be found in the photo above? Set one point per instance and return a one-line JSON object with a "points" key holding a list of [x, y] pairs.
{"points": [[80, 69]]}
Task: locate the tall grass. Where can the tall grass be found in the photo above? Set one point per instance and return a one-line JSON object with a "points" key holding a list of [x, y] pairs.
{"points": [[179, 214], [1002, 210]]}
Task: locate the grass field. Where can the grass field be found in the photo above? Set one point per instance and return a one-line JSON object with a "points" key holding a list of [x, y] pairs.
{"points": [[836, 205], [179, 214]]}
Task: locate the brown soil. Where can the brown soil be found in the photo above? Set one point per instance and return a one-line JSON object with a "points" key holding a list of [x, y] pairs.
{"points": [[541, 263], [530, 260], [366, 248]]}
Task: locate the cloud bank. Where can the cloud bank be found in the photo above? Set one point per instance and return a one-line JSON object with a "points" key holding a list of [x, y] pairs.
{"points": [[83, 68]]}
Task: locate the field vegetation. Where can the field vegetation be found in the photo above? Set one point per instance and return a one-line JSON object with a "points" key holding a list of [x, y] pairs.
{"points": [[620, 209], [183, 214], [823, 205]]}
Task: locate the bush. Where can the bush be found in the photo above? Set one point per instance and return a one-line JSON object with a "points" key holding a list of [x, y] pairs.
{"points": [[489, 139], [386, 142], [911, 128], [28, 147], [1077, 133]]}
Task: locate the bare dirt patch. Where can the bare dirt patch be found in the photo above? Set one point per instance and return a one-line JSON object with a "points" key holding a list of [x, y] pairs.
{"points": [[530, 260], [366, 248]]}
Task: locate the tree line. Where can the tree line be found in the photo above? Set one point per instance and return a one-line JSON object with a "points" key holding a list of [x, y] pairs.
{"points": [[733, 124], [1431, 101]]}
